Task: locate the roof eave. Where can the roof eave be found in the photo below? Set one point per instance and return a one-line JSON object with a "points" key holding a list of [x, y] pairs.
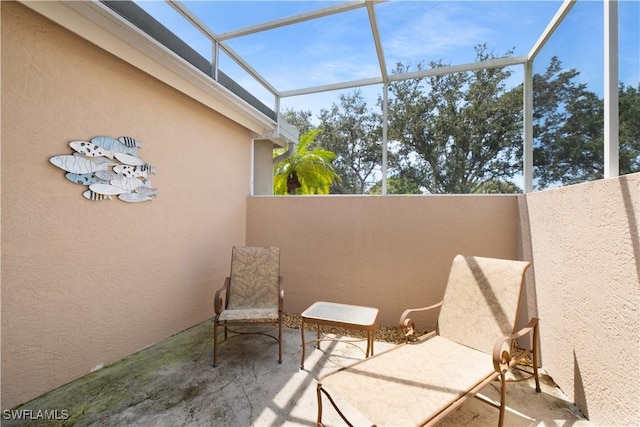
{"points": [[101, 26]]}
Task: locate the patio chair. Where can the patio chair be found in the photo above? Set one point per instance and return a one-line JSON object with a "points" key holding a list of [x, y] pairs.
{"points": [[421, 382], [252, 296]]}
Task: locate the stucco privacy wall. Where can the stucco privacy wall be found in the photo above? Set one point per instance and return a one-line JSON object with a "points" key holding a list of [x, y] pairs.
{"points": [[585, 243], [390, 252], [88, 283]]}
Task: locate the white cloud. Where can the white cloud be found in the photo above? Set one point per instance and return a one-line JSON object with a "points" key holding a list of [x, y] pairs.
{"points": [[433, 33]]}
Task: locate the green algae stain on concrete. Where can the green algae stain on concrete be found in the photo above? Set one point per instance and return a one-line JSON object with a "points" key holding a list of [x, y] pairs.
{"points": [[138, 380]]}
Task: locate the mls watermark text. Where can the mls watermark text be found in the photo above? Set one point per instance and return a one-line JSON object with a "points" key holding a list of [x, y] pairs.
{"points": [[33, 414]]}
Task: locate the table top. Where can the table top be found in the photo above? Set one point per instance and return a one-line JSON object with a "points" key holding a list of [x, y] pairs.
{"points": [[342, 313]]}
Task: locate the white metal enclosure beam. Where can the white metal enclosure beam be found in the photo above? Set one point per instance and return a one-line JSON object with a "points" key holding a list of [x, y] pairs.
{"points": [[611, 97], [439, 71], [219, 44], [551, 27], [294, 19], [376, 39], [527, 124], [385, 135]]}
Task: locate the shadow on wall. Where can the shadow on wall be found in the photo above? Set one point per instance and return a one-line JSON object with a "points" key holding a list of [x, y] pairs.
{"points": [[633, 222], [579, 396], [529, 304]]}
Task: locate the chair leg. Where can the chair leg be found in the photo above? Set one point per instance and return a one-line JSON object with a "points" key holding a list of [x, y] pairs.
{"points": [[535, 357], [318, 392], [215, 343], [503, 398], [280, 340]]}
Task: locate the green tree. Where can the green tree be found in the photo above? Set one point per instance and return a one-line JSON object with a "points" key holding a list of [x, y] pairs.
{"points": [[461, 133], [307, 171], [396, 185], [353, 132], [456, 131], [301, 119], [498, 187], [569, 129], [629, 129]]}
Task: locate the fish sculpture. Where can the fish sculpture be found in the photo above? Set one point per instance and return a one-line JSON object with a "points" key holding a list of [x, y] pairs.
{"points": [[108, 167], [107, 189], [133, 197], [77, 164], [95, 196], [90, 150], [128, 184], [141, 171], [128, 159], [85, 178], [97, 160], [144, 190], [130, 142], [108, 175], [112, 144]]}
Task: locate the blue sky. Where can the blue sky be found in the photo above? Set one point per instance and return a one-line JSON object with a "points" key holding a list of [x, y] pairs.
{"points": [[340, 47]]}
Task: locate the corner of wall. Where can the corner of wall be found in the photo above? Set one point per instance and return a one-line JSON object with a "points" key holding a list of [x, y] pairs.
{"points": [[586, 251]]}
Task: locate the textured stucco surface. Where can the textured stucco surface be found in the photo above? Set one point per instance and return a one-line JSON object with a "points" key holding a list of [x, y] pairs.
{"points": [[587, 267], [88, 283], [85, 284], [392, 252]]}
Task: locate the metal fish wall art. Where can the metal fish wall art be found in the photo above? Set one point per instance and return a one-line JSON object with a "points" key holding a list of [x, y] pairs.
{"points": [[85, 178], [108, 167], [145, 190], [90, 150], [76, 164], [108, 175], [133, 197], [130, 142], [97, 160], [128, 184], [107, 189], [114, 145], [95, 196], [130, 160], [141, 171]]}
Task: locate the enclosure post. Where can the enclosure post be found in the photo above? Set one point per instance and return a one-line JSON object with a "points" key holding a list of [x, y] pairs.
{"points": [[385, 131], [611, 108], [527, 123]]}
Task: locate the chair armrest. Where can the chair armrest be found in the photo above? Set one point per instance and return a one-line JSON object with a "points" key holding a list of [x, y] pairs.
{"points": [[280, 294], [503, 349], [408, 325], [218, 299]]}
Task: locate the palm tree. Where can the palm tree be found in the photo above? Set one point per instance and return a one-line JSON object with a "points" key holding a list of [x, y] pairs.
{"points": [[307, 171]]}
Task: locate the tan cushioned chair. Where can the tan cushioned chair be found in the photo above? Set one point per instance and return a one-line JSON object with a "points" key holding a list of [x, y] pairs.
{"points": [[251, 295]]}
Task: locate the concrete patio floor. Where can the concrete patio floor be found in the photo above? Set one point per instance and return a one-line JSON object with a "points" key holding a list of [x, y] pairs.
{"points": [[173, 384]]}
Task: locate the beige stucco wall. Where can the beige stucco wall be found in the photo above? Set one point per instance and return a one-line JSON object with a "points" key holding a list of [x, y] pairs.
{"points": [[585, 244], [394, 252], [391, 252], [87, 283], [262, 180]]}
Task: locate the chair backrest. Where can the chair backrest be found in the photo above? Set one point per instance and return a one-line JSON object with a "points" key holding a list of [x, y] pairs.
{"points": [[254, 277], [481, 301]]}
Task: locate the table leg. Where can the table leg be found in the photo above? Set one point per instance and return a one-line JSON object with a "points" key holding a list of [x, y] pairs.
{"points": [[303, 345], [373, 335], [370, 335]]}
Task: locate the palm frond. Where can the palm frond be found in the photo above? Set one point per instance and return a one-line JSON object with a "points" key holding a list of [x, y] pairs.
{"points": [[311, 167]]}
